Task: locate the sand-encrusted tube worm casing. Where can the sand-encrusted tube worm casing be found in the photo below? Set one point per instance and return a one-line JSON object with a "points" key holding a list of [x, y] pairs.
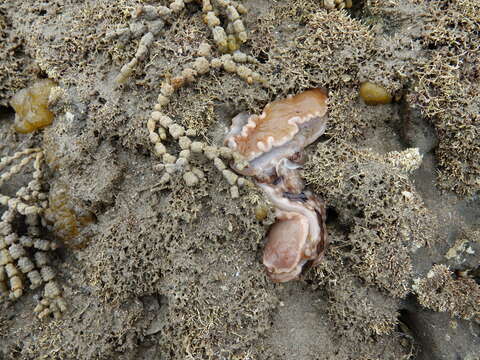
{"points": [[271, 145]]}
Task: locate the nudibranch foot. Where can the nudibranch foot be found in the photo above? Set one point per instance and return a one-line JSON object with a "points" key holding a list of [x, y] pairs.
{"points": [[284, 259], [280, 122], [298, 235]]}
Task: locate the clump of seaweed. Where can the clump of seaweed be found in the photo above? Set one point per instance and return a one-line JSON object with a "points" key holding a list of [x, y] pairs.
{"points": [[68, 219], [441, 291], [384, 217], [442, 81], [15, 66], [91, 331], [326, 35], [448, 102], [359, 311], [56, 52], [186, 251]]}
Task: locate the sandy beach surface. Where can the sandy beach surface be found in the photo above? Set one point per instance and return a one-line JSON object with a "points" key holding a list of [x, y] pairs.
{"points": [[151, 269]]}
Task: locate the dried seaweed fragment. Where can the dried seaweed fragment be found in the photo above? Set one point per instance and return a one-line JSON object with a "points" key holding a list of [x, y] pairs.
{"points": [[440, 291]]}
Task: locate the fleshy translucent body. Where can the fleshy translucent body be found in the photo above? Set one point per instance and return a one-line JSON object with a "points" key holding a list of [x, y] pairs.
{"points": [[31, 107], [272, 143]]}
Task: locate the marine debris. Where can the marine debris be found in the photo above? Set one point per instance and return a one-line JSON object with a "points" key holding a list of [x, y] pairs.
{"points": [[24, 254], [272, 143]]}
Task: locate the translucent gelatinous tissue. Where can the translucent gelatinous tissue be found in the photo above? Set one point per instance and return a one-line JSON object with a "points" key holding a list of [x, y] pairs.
{"points": [[31, 107]]}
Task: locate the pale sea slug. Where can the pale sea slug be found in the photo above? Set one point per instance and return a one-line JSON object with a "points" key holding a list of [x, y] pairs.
{"points": [[283, 129], [297, 236], [272, 145]]}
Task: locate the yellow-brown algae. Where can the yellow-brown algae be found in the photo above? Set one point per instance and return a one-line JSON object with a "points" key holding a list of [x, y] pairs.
{"points": [[374, 94], [69, 219], [31, 107], [261, 212]]}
